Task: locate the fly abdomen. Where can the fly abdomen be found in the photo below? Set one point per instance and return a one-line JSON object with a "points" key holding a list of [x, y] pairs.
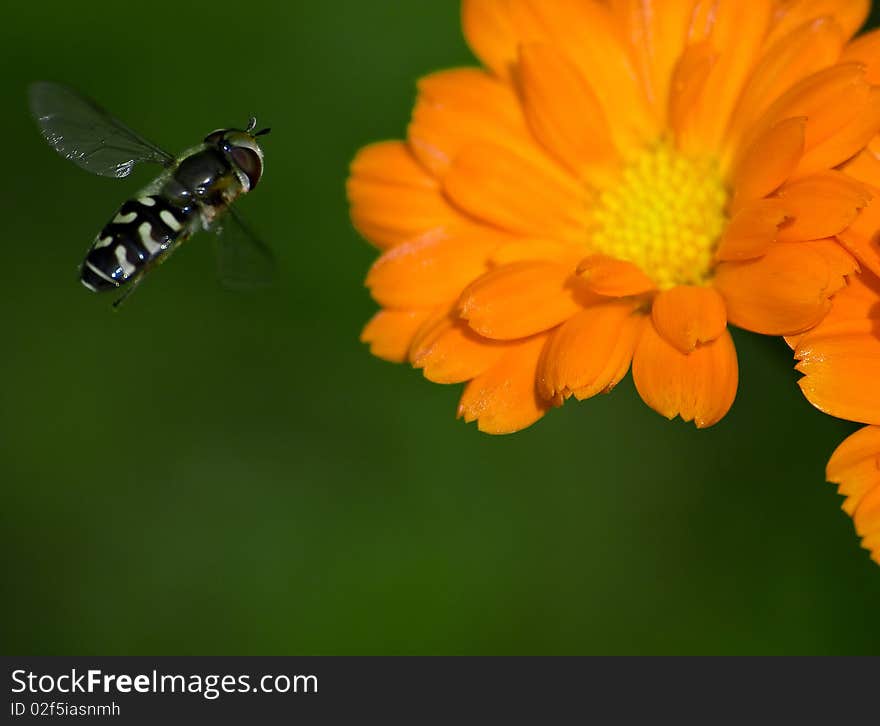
{"points": [[142, 231]]}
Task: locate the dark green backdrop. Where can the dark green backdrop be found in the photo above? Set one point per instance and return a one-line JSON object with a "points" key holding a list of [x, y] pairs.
{"points": [[210, 472]]}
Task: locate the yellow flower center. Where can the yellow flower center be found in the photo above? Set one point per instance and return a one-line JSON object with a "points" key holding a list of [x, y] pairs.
{"points": [[665, 214]]}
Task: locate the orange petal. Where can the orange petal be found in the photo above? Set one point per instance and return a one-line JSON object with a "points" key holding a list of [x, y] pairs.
{"points": [[656, 31], [393, 198], [820, 205], [864, 166], [840, 374], [866, 519], [847, 140], [490, 34], [828, 100], [853, 309], [855, 465], [861, 238], [814, 45], [460, 107], [520, 299], [688, 82], [586, 32], [849, 14], [450, 352], [769, 161], [866, 50], [688, 315], [504, 398], [865, 248], [520, 249], [843, 268], [751, 231], [699, 386], [431, 269], [495, 185], [591, 37], [564, 114], [609, 276], [390, 332], [784, 292], [736, 31], [590, 353], [841, 263], [872, 543]]}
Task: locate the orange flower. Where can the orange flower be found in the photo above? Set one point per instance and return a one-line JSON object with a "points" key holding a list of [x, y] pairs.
{"points": [[840, 360], [855, 468], [622, 181], [840, 357]]}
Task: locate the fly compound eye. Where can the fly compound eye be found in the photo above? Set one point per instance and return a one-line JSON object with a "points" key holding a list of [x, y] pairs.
{"points": [[249, 162], [215, 137]]}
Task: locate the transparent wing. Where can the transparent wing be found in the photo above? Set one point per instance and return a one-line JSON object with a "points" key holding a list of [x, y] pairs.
{"points": [[80, 130], [244, 261]]}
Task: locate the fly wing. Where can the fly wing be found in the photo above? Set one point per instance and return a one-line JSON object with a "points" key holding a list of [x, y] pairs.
{"points": [[80, 130], [244, 261]]}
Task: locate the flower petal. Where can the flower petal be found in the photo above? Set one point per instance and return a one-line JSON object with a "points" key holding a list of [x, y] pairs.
{"points": [[450, 352], [839, 356], [769, 161], [865, 167], [564, 113], [699, 386], [865, 249], [495, 185], [849, 14], [865, 50], [689, 79], [814, 45], [393, 198], [846, 141], [853, 311], [589, 34], [784, 292], [687, 315], [590, 353], [390, 332], [828, 100], [840, 374], [866, 519], [609, 276], [820, 205], [656, 31], [861, 237], [431, 269], [520, 249], [751, 231], [521, 299], [855, 467], [463, 106], [490, 34], [586, 32], [736, 31], [504, 399], [841, 264]]}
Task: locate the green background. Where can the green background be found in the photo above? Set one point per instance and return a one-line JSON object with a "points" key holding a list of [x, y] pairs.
{"points": [[213, 472]]}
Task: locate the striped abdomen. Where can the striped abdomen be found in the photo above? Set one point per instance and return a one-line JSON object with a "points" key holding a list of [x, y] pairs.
{"points": [[142, 231]]}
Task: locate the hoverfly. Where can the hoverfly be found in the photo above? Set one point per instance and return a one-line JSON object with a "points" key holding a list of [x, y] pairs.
{"points": [[194, 191]]}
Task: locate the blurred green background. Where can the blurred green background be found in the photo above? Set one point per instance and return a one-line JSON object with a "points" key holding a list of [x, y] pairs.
{"points": [[212, 472]]}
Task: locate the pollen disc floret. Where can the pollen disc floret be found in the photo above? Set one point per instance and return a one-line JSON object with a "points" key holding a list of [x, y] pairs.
{"points": [[665, 214], [616, 185]]}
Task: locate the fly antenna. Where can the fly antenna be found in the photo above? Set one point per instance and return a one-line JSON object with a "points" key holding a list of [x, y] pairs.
{"points": [[252, 124], [263, 132]]}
